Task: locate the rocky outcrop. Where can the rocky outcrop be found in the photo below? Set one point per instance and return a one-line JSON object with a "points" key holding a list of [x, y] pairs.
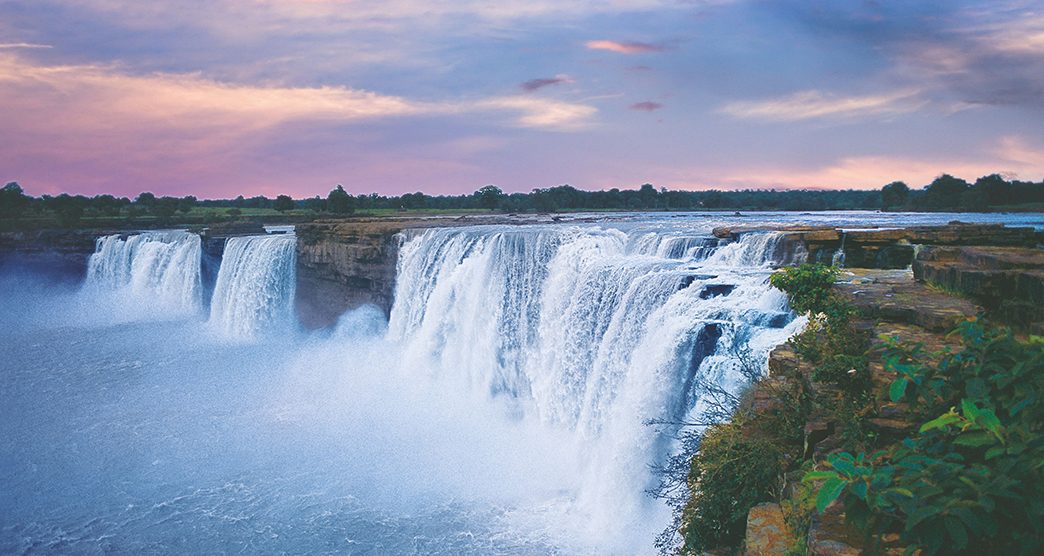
{"points": [[1008, 280], [767, 532], [58, 254], [343, 265]]}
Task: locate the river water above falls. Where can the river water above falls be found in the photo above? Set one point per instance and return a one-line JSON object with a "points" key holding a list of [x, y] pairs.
{"points": [[501, 409]]}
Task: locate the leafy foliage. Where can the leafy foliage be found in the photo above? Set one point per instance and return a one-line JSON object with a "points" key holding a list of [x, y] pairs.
{"points": [[730, 474], [807, 286], [972, 479]]}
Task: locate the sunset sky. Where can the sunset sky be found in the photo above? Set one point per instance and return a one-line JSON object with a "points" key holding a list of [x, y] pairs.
{"points": [[224, 97]]}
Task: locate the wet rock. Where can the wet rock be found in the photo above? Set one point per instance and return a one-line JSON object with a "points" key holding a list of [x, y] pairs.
{"points": [[716, 290]]}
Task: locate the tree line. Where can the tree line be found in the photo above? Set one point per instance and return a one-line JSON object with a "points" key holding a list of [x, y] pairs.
{"points": [[945, 193]]}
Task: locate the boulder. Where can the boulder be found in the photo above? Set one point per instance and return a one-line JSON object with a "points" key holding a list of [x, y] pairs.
{"points": [[767, 531]]}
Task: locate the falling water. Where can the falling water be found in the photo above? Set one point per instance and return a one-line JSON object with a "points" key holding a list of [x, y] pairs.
{"points": [[160, 270], [592, 331], [255, 285], [839, 256]]}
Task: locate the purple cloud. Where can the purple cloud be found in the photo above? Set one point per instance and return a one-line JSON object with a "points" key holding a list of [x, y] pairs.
{"points": [[647, 106], [630, 47], [541, 82]]}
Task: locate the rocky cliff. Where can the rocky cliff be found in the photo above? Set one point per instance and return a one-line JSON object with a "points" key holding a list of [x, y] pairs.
{"points": [[58, 254], [343, 265]]}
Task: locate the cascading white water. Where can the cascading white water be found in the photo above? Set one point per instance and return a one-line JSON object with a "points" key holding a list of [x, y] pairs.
{"points": [[255, 285], [590, 330], [158, 270]]}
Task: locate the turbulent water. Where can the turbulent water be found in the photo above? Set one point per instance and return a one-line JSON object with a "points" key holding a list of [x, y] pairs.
{"points": [[255, 285], [501, 409], [156, 270]]}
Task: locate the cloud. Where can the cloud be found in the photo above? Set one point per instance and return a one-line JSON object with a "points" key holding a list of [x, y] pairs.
{"points": [[1011, 155], [98, 127], [542, 113], [97, 96], [646, 106], [813, 104], [13, 45], [624, 47], [541, 82]]}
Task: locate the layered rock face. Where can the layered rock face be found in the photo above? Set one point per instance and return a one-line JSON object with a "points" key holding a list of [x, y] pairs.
{"points": [[1010, 280], [343, 265], [59, 254]]}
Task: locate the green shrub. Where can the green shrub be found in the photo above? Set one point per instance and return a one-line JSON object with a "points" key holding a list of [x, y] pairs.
{"points": [[731, 473], [972, 479], [808, 286]]}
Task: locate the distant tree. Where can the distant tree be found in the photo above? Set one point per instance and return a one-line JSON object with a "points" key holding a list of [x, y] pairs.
{"points": [[283, 203], [164, 208], [316, 204], [994, 189], [186, 203], [489, 197], [945, 192], [68, 209], [13, 200], [894, 195], [416, 200], [339, 201], [145, 199], [647, 196]]}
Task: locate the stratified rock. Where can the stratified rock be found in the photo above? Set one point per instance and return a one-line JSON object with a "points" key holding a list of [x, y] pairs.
{"points": [[1009, 281], [58, 254], [767, 531], [896, 297]]}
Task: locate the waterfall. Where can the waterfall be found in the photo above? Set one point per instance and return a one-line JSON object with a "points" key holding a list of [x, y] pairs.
{"points": [[159, 270], [255, 285], [838, 259], [594, 331]]}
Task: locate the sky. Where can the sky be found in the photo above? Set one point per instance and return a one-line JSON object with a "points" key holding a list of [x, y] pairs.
{"points": [[217, 98]]}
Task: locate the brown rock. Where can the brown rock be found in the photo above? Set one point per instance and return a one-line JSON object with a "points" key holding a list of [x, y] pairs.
{"points": [[767, 532]]}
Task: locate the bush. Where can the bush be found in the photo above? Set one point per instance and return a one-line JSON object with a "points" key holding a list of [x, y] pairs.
{"points": [[972, 479], [731, 473], [807, 286]]}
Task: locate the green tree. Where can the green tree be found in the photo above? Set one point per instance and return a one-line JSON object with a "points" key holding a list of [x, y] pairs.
{"points": [[186, 203], [994, 189], [339, 201], [945, 192], [283, 203], [894, 195], [489, 197], [12, 200]]}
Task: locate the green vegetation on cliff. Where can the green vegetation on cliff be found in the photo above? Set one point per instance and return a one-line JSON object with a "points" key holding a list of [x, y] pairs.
{"points": [[958, 470]]}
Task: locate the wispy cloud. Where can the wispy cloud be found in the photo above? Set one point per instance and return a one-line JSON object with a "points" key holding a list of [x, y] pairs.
{"points": [[541, 82], [13, 45], [624, 47], [808, 105], [646, 106], [103, 96], [541, 113]]}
